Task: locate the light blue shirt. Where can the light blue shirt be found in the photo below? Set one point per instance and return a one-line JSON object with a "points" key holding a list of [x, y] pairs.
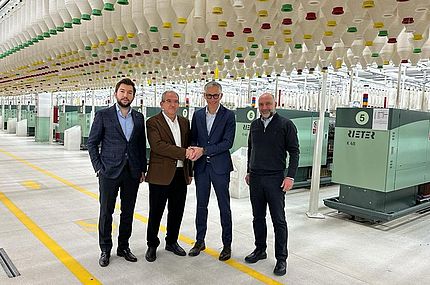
{"points": [[210, 118], [125, 122]]}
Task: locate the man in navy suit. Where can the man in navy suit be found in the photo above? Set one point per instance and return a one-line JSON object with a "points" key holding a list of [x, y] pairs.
{"points": [[212, 135], [120, 163]]}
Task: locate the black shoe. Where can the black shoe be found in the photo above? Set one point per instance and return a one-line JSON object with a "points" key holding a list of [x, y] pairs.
{"points": [[176, 249], [197, 248], [280, 268], [225, 253], [126, 253], [255, 256], [151, 254], [104, 258]]}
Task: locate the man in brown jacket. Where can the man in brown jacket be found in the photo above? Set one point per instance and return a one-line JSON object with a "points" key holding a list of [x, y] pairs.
{"points": [[169, 173]]}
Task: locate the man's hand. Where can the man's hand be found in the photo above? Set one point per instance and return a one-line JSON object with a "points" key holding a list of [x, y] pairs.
{"points": [[247, 178], [197, 152], [189, 153], [287, 184], [190, 179], [142, 178]]}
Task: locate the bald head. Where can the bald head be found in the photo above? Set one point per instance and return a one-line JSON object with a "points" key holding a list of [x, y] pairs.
{"points": [[266, 105]]}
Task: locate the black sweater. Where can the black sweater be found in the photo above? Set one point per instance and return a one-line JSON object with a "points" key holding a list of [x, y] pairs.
{"points": [[267, 148]]}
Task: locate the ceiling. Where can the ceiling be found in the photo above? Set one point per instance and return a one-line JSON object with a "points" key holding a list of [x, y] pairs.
{"points": [[50, 45]]}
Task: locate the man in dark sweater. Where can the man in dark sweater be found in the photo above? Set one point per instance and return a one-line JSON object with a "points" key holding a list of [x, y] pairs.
{"points": [[270, 138]]}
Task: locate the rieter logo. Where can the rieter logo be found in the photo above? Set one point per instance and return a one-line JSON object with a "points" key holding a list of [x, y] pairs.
{"points": [[361, 134]]}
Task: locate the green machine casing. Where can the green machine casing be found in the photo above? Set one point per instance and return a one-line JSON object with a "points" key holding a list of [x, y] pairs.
{"points": [[67, 119], [10, 112], [305, 122], [380, 158], [28, 113]]}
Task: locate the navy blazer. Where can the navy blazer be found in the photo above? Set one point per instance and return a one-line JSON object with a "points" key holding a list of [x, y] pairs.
{"points": [[218, 143], [107, 132]]}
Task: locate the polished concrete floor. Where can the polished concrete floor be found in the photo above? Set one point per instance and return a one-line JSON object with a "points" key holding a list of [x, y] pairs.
{"points": [[49, 211]]}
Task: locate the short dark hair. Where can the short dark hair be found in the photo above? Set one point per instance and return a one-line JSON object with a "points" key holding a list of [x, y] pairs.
{"points": [[126, 81]]}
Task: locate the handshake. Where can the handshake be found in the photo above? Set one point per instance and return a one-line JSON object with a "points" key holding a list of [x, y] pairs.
{"points": [[193, 153]]}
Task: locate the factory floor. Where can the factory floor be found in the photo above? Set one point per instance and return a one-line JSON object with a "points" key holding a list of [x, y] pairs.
{"points": [[48, 228]]}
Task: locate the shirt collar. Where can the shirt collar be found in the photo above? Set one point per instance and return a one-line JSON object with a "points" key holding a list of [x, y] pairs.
{"points": [[207, 110], [269, 118], [119, 111], [168, 119]]}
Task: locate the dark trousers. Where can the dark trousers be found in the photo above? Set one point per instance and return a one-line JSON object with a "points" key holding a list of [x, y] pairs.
{"points": [[266, 190], [203, 190], [175, 193], [108, 188]]}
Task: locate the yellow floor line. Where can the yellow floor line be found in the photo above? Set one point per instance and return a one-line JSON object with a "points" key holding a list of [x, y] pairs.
{"points": [[52, 175], [232, 262], [72, 264]]}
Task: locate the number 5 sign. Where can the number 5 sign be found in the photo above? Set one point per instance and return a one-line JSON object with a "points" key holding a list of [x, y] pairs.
{"points": [[362, 118]]}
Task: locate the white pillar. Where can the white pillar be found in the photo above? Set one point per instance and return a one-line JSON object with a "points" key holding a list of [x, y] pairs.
{"points": [[398, 86], [351, 85], [44, 111], [316, 167]]}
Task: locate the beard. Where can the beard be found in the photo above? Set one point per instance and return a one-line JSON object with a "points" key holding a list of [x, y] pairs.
{"points": [[122, 104], [267, 115]]}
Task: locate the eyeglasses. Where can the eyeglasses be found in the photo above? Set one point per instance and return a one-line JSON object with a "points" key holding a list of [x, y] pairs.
{"points": [[210, 96], [170, 101]]}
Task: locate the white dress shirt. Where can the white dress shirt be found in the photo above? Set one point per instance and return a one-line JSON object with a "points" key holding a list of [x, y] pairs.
{"points": [[176, 132]]}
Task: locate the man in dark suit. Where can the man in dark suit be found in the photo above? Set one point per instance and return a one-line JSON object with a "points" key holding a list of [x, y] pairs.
{"points": [[270, 138], [169, 173], [119, 164], [212, 135]]}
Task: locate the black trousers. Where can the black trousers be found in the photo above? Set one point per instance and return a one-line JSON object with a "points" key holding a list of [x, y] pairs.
{"points": [[108, 192], [175, 193], [266, 190]]}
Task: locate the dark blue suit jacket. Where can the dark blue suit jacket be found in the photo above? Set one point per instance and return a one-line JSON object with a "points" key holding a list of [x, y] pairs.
{"points": [[111, 158], [218, 143]]}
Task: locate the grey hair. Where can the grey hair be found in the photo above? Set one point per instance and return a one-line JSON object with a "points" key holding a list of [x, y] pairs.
{"points": [[213, 83], [163, 96]]}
